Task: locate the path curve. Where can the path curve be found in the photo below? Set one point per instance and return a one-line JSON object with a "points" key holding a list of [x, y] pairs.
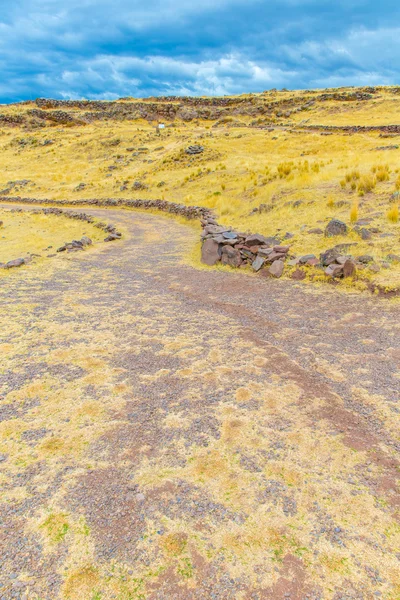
{"points": [[171, 433]]}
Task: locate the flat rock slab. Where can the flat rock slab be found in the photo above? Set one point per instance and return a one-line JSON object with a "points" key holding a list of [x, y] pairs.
{"points": [[210, 252]]}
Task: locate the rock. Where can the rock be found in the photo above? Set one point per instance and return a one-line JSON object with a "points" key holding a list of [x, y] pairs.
{"points": [[288, 236], [329, 256], [334, 270], [258, 263], [298, 275], [385, 265], [86, 241], [304, 259], [374, 268], [276, 256], [276, 269], [363, 222], [247, 253], [365, 234], [230, 235], [230, 256], [62, 248], [335, 227], [342, 259], [283, 249], [112, 237], [255, 240], [349, 268], [265, 252], [293, 262], [365, 259], [17, 262], [316, 231], [210, 252], [393, 257], [1, 223]]}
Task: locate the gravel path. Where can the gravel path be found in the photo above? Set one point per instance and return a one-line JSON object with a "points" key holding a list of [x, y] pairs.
{"points": [[172, 433]]}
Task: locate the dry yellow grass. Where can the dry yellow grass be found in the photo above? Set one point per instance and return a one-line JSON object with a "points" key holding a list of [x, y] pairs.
{"points": [[38, 234], [299, 177]]}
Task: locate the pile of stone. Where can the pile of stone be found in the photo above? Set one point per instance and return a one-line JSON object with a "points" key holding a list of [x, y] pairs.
{"points": [[196, 149], [229, 247], [189, 212], [76, 245]]}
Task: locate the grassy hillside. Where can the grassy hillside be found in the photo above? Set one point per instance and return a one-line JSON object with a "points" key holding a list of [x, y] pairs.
{"points": [[278, 162]]}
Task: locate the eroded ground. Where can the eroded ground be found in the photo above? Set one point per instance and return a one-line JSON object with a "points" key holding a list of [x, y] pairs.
{"points": [[173, 433]]}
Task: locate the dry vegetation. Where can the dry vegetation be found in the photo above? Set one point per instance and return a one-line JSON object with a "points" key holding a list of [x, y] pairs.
{"points": [[295, 176]]}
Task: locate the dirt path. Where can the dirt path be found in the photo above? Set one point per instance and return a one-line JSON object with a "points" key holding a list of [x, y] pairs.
{"points": [[168, 433]]}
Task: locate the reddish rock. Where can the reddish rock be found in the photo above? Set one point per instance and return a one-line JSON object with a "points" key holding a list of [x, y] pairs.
{"points": [[275, 256], [210, 252], [230, 256], [283, 249], [255, 240], [349, 268], [334, 270], [276, 269]]}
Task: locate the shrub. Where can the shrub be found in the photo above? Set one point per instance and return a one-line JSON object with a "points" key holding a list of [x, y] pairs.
{"points": [[352, 176], [393, 214], [354, 213], [331, 202], [284, 169], [343, 184], [397, 183], [366, 184]]}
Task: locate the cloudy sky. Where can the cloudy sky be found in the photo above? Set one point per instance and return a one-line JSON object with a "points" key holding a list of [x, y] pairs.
{"points": [[112, 48]]}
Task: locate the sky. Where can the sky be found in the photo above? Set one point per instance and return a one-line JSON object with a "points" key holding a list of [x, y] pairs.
{"points": [[106, 49]]}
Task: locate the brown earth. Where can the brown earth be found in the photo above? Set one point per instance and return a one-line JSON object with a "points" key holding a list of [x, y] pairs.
{"points": [[168, 432]]}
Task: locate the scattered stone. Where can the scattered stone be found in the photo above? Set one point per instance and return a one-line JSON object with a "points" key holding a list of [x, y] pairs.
{"points": [[329, 256], [365, 259], [335, 227], [365, 234], [374, 268], [86, 241], [276, 269], [17, 262], [393, 257], [316, 231], [210, 252]]}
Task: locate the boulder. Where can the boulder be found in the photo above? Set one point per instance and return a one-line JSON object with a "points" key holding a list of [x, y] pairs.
{"points": [[303, 260], [230, 256], [349, 268], [210, 252], [393, 257], [335, 227], [334, 270], [276, 269], [258, 263], [86, 241], [329, 256], [17, 262], [255, 240]]}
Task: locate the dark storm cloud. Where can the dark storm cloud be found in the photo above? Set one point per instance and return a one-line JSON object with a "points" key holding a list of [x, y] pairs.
{"points": [[99, 48]]}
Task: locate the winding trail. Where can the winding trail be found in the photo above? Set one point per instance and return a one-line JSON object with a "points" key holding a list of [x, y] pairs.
{"points": [[173, 433]]}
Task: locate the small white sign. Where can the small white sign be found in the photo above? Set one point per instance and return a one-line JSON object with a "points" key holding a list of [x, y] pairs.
{"points": [[161, 126]]}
